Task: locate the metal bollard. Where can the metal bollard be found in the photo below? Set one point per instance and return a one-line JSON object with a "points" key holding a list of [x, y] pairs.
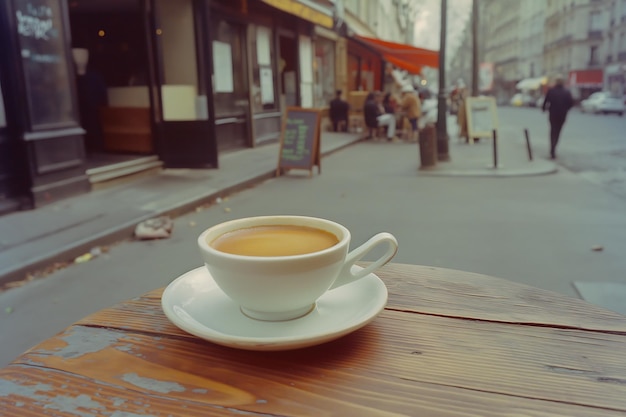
{"points": [[530, 150], [428, 147]]}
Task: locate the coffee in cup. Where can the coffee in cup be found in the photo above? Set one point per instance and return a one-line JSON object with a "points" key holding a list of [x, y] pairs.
{"points": [[275, 240], [276, 267]]}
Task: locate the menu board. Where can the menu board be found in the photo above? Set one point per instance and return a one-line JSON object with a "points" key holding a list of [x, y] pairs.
{"points": [[300, 140], [481, 117], [44, 58]]}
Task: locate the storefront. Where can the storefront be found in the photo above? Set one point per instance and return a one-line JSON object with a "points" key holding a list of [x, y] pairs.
{"points": [[583, 83], [94, 84], [370, 60], [325, 66], [365, 67], [41, 139], [279, 53]]}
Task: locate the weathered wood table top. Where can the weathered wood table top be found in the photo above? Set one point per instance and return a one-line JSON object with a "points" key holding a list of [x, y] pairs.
{"points": [[449, 343]]}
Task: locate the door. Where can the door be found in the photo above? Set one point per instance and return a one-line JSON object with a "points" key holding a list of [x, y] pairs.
{"points": [[5, 155], [185, 135], [230, 81]]}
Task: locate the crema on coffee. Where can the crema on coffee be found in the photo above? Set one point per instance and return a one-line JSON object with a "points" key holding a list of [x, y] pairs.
{"points": [[274, 240]]}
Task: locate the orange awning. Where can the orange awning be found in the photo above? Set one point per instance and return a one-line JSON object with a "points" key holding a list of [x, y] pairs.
{"points": [[403, 56]]}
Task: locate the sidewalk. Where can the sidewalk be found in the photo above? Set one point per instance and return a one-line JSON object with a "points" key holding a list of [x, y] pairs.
{"points": [[477, 160], [30, 240], [60, 232]]}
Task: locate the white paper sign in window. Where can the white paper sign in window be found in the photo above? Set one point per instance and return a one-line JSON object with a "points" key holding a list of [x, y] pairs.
{"points": [[306, 60], [267, 86], [223, 67], [263, 36]]}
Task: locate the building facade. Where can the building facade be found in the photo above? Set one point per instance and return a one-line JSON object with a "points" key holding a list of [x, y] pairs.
{"points": [[460, 68], [532, 17], [575, 33], [502, 22], [582, 41], [89, 85], [615, 69], [91, 90]]}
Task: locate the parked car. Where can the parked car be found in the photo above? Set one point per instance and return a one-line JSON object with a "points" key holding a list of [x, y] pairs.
{"points": [[603, 102], [539, 102], [521, 100]]}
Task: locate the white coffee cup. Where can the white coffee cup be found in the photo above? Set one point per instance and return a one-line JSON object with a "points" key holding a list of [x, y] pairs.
{"points": [[276, 288]]}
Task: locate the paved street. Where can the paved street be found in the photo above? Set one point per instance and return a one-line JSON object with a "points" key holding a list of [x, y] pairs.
{"points": [[591, 145], [534, 230]]}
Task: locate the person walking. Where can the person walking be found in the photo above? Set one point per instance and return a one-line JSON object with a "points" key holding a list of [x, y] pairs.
{"points": [[558, 101], [338, 113]]}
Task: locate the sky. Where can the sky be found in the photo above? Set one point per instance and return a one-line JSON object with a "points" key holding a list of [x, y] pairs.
{"points": [[428, 21]]}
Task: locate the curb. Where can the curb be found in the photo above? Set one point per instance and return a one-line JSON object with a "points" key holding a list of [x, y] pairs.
{"points": [[126, 230], [490, 172]]}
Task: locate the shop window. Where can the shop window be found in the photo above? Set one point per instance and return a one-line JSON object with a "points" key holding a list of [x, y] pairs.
{"points": [[353, 72], [183, 94], [229, 69], [264, 96], [306, 71], [43, 49], [367, 76]]}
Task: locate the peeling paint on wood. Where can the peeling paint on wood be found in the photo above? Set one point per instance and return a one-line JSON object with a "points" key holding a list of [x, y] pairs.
{"points": [[153, 384], [74, 405], [30, 391], [83, 340], [125, 414]]}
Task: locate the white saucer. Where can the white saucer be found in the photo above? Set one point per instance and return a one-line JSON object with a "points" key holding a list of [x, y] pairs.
{"points": [[195, 304]]}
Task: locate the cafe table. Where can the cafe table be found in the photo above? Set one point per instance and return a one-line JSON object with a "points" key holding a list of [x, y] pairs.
{"points": [[447, 343]]}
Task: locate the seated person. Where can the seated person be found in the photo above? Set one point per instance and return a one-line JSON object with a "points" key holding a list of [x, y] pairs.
{"points": [[412, 108], [389, 103], [338, 112], [375, 116]]}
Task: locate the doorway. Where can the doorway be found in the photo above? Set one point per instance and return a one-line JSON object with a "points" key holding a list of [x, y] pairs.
{"points": [[112, 67], [183, 113], [143, 91], [230, 77], [288, 68]]}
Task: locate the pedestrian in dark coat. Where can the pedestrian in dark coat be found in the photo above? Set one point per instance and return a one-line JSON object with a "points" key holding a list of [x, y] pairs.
{"points": [[338, 113], [558, 101]]}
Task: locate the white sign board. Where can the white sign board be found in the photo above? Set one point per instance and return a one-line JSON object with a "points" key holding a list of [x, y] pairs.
{"points": [[222, 68], [263, 36], [267, 85], [306, 60], [482, 118]]}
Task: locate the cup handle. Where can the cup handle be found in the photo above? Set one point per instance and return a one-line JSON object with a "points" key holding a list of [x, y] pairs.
{"points": [[346, 276]]}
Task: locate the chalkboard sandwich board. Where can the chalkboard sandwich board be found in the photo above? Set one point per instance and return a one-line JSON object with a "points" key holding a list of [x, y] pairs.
{"points": [[300, 140]]}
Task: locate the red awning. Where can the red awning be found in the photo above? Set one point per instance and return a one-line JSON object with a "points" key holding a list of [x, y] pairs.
{"points": [[585, 78], [403, 56]]}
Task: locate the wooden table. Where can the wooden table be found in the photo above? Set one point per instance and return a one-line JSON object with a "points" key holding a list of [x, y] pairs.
{"points": [[449, 343]]}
